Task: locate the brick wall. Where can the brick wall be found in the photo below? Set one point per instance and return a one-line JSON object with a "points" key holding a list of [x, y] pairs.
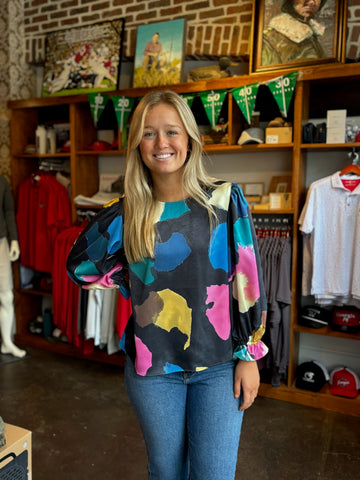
{"points": [[214, 27]]}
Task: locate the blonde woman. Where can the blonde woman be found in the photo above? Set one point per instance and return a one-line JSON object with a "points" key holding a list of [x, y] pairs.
{"points": [[181, 244]]}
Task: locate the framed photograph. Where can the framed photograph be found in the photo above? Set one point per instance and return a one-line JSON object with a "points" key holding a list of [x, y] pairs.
{"points": [[83, 59], [295, 33], [159, 54], [280, 184], [256, 189]]}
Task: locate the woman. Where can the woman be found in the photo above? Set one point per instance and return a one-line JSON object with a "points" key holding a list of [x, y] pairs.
{"points": [[182, 245]]}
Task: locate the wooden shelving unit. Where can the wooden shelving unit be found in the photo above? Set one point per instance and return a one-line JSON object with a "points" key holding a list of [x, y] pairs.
{"points": [[314, 94]]}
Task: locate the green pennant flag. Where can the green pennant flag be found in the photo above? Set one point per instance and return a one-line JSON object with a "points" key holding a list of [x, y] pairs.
{"points": [[123, 107], [282, 89], [245, 98], [97, 102], [213, 102], [189, 98]]}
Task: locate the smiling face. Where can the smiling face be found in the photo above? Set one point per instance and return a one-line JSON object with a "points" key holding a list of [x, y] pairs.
{"points": [[164, 144], [307, 8]]}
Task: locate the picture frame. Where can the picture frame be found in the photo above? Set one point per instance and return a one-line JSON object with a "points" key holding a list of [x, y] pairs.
{"points": [[281, 41], [159, 53], [83, 59], [280, 184], [253, 189]]}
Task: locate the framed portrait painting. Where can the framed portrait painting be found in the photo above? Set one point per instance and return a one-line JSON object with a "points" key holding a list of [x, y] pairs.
{"points": [[83, 59], [295, 33], [159, 54]]}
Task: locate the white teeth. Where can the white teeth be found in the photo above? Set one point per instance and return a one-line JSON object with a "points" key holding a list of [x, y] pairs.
{"points": [[166, 155]]}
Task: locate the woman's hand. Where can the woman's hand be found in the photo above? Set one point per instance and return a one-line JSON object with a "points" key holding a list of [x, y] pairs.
{"points": [[247, 381]]}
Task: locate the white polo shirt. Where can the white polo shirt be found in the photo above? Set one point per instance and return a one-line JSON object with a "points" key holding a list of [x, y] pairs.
{"points": [[331, 218]]}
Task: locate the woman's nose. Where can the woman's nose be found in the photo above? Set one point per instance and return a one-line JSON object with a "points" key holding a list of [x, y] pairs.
{"points": [[161, 140]]}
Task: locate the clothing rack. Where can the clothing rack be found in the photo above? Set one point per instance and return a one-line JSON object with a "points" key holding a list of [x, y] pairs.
{"points": [[272, 225]]}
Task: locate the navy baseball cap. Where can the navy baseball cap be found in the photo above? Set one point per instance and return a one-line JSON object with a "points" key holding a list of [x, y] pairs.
{"points": [[311, 376]]}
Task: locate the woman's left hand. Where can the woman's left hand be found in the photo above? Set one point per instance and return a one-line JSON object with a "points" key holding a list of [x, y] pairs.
{"points": [[247, 381]]}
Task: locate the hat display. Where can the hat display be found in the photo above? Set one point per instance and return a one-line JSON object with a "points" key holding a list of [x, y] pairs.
{"points": [[346, 320], [311, 376], [252, 135], [314, 316], [344, 382]]}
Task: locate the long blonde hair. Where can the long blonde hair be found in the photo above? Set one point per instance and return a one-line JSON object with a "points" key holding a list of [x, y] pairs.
{"points": [[139, 202]]}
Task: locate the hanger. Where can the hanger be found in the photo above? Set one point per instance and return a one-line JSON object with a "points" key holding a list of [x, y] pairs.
{"points": [[352, 167]]}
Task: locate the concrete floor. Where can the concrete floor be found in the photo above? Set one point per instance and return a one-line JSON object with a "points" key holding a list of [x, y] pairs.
{"points": [[84, 428]]}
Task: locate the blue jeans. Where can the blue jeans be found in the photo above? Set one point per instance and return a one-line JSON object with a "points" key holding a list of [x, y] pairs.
{"points": [[190, 422]]}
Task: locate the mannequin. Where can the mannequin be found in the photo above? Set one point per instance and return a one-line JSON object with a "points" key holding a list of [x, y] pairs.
{"points": [[8, 231]]}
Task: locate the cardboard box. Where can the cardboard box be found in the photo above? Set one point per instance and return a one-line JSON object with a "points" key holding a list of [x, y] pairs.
{"points": [[15, 456], [277, 135]]}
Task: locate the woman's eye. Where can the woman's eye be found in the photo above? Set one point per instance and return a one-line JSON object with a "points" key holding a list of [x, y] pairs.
{"points": [[172, 132], [148, 134]]}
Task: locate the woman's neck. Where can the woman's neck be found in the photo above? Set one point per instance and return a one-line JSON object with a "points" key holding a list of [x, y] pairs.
{"points": [[167, 191]]}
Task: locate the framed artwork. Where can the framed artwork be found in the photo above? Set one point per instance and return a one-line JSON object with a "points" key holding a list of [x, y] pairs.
{"points": [[295, 33], [159, 53], [83, 59]]}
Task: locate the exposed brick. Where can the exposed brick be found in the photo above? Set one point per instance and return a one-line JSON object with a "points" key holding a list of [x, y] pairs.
{"points": [[218, 3], [246, 33], [68, 4], [213, 14], [100, 6], [196, 6], [40, 18], [355, 34], [32, 29], [235, 39], [36, 3], [170, 12], [30, 13], [61, 14], [116, 13], [244, 19], [190, 32], [69, 21], [202, 19], [226, 20], [78, 11], [135, 8], [48, 8], [159, 4], [49, 26]]}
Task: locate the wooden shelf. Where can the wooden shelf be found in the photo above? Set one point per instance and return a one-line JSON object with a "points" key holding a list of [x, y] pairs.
{"points": [[323, 399], [326, 331], [36, 341], [330, 146], [25, 115], [32, 291]]}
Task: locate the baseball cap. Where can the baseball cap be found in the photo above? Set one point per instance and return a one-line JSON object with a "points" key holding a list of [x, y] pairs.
{"points": [[314, 316], [251, 135], [344, 382], [346, 320], [311, 376]]}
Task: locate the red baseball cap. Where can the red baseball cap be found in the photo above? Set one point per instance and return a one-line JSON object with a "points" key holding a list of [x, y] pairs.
{"points": [[344, 382]]}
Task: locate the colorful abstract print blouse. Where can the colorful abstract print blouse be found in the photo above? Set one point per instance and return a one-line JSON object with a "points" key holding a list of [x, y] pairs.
{"points": [[198, 302]]}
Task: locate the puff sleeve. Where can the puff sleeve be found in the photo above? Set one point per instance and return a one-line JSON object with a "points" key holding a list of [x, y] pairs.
{"points": [[249, 303], [97, 258]]}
